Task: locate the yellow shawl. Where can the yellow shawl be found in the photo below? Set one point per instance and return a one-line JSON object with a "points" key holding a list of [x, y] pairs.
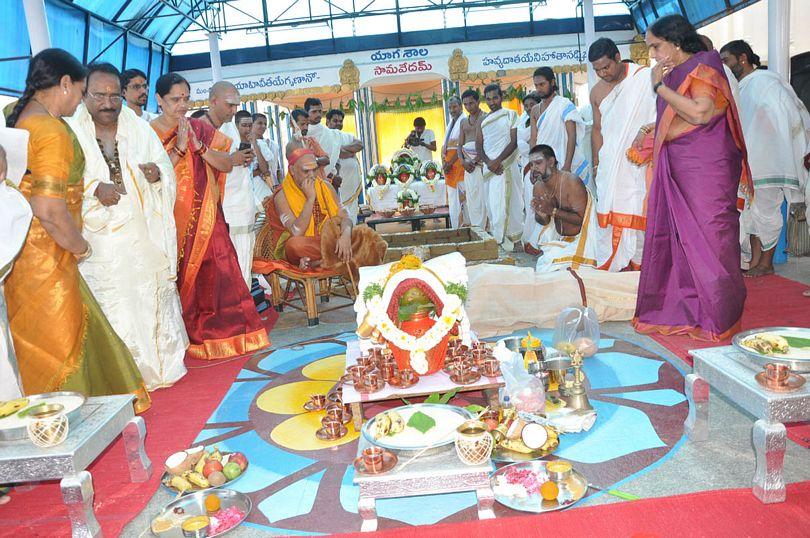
{"points": [[296, 198]]}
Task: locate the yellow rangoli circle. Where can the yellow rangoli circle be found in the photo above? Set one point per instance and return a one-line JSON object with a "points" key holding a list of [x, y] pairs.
{"points": [[298, 433]]}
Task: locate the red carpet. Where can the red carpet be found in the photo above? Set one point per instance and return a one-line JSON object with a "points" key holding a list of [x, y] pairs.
{"points": [[176, 417], [772, 301], [720, 513]]}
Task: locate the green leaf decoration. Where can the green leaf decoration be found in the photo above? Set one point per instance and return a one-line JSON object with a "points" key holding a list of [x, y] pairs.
{"points": [[457, 289], [448, 396], [27, 411], [433, 398], [421, 422], [795, 341], [372, 291], [474, 408]]}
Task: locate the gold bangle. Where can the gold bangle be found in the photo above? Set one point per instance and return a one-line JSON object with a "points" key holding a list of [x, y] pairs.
{"points": [[86, 254]]}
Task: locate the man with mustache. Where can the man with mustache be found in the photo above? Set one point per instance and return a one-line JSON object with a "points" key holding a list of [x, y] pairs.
{"points": [[135, 89], [128, 219]]}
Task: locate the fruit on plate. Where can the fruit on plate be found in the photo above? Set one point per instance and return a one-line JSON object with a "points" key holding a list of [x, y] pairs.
{"points": [[177, 463], [239, 459], [767, 343], [180, 484], [195, 454], [12, 406], [549, 491], [212, 503], [210, 467], [197, 479], [216, 479], [231, 470], [388, 423]]}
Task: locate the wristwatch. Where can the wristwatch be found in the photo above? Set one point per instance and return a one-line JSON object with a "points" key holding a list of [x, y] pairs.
{"points": [[657, 85]]}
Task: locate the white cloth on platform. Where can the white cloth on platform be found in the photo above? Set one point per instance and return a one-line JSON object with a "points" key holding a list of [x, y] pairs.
{"points": [[776, 127], [561, 252], [422, 152], [551, 131], [132, 272], [476, 189], [505, 191], [239, 207], [621, 186], [385, 198], [15, 218]]}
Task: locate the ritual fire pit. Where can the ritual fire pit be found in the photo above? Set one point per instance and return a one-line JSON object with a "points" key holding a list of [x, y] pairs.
{"points": [[474, 244]]}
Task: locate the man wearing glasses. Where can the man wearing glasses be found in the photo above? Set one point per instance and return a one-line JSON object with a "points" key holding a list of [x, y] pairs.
{"points": [[128, 219], [135, 89]]}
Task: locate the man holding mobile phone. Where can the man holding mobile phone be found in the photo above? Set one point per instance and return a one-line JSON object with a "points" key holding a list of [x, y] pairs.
{"points": [[237, 203]]}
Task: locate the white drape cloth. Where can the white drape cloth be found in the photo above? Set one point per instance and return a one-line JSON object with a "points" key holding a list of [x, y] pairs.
{"points": [[551, 131], [505, 191], [621, 186], [531, 228], [15, 218], [382, 198], [505, 298], [776, 127], [561, 252], [352, 176], [132, 271], [330, 141], [476, 189], [239, 206], [524, 135]]}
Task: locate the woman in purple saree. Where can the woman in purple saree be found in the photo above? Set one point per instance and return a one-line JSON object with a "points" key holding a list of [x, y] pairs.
{"points": [[691, 282]]}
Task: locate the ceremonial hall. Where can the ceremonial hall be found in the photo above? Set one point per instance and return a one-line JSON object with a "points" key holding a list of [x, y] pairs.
{"points": [[404, 267]]}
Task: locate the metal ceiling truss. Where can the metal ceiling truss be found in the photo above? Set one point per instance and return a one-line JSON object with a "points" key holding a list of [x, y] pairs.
{"points": [[334, 11]]}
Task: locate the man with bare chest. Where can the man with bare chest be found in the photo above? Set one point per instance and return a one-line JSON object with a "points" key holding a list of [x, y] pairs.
{"points": [[563, 206], [471, 161]]}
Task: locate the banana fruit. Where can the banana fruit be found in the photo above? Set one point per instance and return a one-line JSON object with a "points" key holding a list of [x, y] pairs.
{"points": [[179, 483], [767, 343], [12, 406], [197, 479]]}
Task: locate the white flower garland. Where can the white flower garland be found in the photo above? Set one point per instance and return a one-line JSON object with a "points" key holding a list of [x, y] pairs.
{"points": [[452, 312]]}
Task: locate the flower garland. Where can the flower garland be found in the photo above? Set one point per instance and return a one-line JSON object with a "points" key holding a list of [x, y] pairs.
{"points": [[403, 175], [375, 174], [408, 195], [430, 174]]}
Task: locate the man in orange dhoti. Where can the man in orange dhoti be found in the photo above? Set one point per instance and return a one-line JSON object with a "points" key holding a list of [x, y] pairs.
{"points": [[306, 225], [453, 171]]}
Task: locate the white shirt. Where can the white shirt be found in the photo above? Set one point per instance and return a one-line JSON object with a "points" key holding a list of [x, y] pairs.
{"points": [[237, 203], [269, 151], [422, 152]]}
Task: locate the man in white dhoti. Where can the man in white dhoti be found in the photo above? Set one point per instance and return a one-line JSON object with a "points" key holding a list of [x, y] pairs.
{"points": [[564, 207], [351, 178], [776, 127], [421, 140], [524, 133], [474, 186], [267, 164], [622, 104], [238, 203], [135, 88], [128, 219], [497, 146], [332, 142], [451, 164], [557, 122], [15, 217]]}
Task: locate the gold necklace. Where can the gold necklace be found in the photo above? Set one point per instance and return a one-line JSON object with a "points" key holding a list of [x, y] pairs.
{"points": [[37, 101]]}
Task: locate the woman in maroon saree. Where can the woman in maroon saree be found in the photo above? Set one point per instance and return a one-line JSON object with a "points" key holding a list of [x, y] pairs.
{"points": [[218, 310], [691, 282]]}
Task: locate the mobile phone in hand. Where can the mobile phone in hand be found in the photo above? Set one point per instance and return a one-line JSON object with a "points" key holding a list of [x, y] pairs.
{"points": [[244, 145]]}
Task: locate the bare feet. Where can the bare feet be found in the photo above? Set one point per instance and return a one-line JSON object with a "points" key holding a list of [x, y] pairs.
{"points": [[758, 271]]}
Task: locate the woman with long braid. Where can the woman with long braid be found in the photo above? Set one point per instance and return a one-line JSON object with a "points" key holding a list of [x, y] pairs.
{"points": [[62, 339]]}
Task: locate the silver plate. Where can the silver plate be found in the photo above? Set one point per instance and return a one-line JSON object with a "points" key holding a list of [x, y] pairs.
{"points": [[437, 447], [576, 484], [20, 433], [167, 476], [194, 505], [797, 364]]}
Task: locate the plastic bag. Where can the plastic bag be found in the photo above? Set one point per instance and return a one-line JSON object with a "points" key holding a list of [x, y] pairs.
{"points": [[525, 391], [577, 329]]}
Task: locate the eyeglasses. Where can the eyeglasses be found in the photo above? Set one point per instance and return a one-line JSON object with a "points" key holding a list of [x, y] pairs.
{"points": [[137, 86], [111, 97]]}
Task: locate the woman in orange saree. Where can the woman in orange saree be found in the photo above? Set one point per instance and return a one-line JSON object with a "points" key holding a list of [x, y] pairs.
{"points": [[218, 310], [62, 339]]}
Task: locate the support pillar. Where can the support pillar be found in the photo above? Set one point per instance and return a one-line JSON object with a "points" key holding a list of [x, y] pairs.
{"points": [[216, 62], [37, 24], [779, 37], [590, 37]]}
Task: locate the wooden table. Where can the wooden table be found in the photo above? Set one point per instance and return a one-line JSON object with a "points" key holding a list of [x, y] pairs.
{"points": [[415, 220], [429, 475], [438, 382], [101, 421], [731, 372]]}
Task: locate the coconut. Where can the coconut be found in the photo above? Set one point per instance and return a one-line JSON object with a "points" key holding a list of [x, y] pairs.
{"points": [[586, 346], [534, 435], [194, 455], [177, 463]]}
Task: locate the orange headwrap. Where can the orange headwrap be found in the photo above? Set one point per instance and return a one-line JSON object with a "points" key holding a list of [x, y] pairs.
{"points": [[298, 153]]}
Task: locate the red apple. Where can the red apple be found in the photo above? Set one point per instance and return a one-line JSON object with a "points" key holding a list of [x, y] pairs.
{"points": [[239, 459], [211, 466]]}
